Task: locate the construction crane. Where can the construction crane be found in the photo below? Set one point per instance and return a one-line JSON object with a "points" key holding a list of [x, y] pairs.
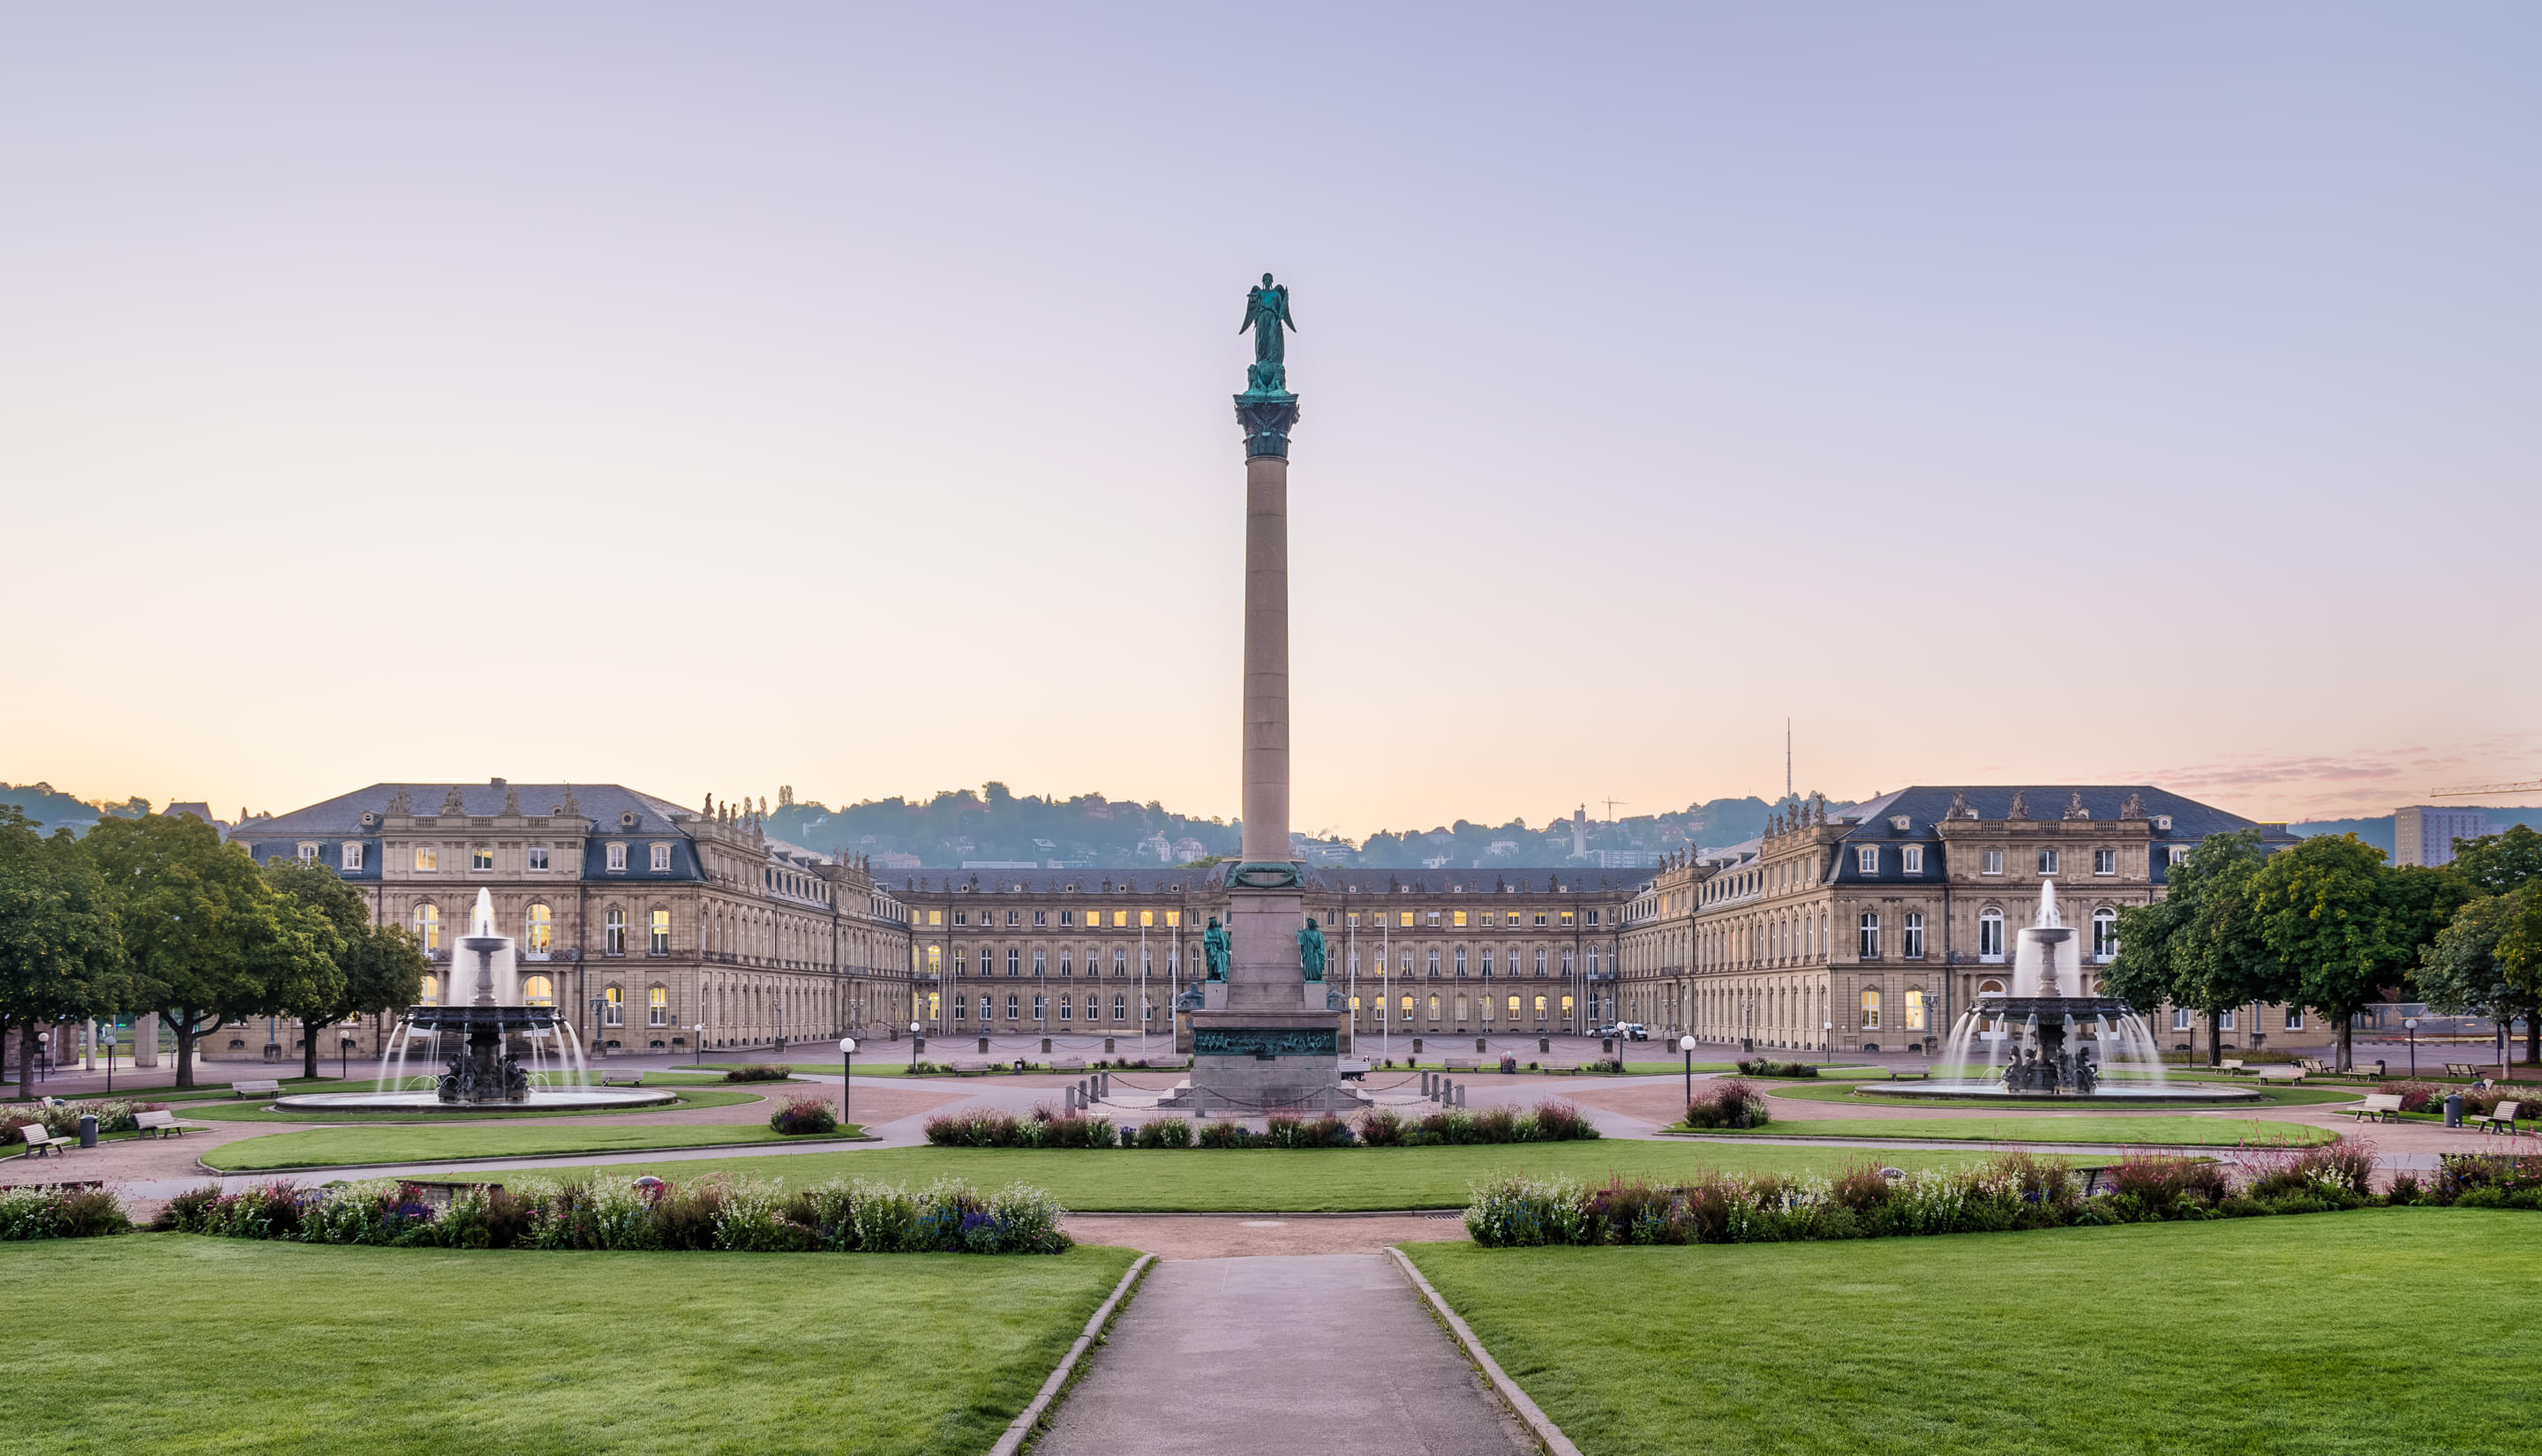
{"points": [[2534, 788], [1610, 808]]}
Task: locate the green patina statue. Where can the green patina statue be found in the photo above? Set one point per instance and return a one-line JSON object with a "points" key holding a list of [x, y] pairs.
{"points": [[1266, 313], [1214, 950], [1310, 950]]}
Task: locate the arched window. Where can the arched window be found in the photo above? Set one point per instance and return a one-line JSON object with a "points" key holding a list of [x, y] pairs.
{"points": [[1914, 1011], [1869, 948], [1013, 1006], [1434, 1005], [427, 925], [1913, 949], [1989, 987], [542, 928], [1871, 1010], [660, 926], [1067, 1007], [538, 990], [2105, 935], [432, 990], [613, 1006], [1014, 961], [613, 933], [1990, 936], [1120, 1007], [961, 1008], [658, 1006]]}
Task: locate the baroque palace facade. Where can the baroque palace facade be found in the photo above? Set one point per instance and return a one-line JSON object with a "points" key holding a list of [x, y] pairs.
{"points": [[1413, 953], [1872, 927], [659, 928]]}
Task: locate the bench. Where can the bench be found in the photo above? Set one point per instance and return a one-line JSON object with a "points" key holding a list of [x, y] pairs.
{"points": [[1465, 1063], [2312, 1064], [2502, 1118], [2280, 1073], [157, 1125], [622, 1079], [41, 1142], [1068, 1065], [2380, 1107], [968, 1065], [1906, 1076], [2231, 1065], [2462, 1069], [256, 1089]]}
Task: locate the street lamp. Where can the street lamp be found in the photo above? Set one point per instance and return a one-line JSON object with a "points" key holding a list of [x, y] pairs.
{"points": [[912, 1046], [698, 1033], [2413, 1024], [847, 1070], [1687, 1045], [110, 1059]]}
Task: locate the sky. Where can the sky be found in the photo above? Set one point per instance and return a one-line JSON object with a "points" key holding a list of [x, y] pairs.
{"points": [[714, 399]]}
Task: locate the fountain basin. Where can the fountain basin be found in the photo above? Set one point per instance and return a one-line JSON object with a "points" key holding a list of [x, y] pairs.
{"points": [[541, 1099], [2107, 1092]]}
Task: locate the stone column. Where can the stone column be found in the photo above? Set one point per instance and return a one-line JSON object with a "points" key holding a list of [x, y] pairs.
{"points": [[1266, 652]]}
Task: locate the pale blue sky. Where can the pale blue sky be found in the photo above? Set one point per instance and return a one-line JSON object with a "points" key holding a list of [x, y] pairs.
{"points": [[715, 398]]}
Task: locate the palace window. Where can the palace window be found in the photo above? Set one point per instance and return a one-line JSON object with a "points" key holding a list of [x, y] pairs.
{"points": [[1014, 961], [1991, 935], [538, 858], [1013, 1006], [1041, 961], [538, 990], [1539, 1008], [2226, 1021], [1120, 918], [1992, 862], [661, 857], [662, 920], [427, 925], [1408, 920], [961, 1009], [1014, 917], [2179, 854], [1434, 1005], [1566, 918], [1566, 960], [1434, 961], [427, 860], [308, 852], [1173, 919], [2048, 861], [2180, 1018], [1487, 960], [1068, 917], [1065, 966], [658, 1006], [1041, 918], [1513, 1007], [542, 927], [963, 917], [1866, 858], [1871, 1010], [482, 857], [1120, 1007], [353, 855], [2105, 861], [1870, 938], [613, 933], [1910, 858], [1041, 1008], [1461, 961], [1146, 917], [432, 990], [2105, 935], [1914, 1011], [613, 1006], [1460, 914], [617, 858], [1434, 918], [1914, 948]]}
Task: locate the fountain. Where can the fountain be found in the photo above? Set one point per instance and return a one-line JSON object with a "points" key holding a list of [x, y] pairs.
{"points": [[2043, 1041], [485, 1073]]}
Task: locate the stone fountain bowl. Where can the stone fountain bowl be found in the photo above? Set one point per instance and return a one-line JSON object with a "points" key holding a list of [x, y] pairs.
{"points": [[2137, 1093], [425, 1100]]}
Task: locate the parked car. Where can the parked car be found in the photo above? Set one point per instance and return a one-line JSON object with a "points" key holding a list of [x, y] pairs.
{"points": [[1636, 1031]]}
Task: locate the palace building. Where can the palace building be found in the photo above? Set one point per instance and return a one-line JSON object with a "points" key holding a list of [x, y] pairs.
{"points": [[662, 928]]}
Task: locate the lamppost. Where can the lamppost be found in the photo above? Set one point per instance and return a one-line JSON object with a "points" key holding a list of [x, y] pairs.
{"points": [[698, 1033], [914, 1040], [344, 1052], [599, 1039], [110, 1059], [2413, 1024], [1687, 1045], [847, 1072]]}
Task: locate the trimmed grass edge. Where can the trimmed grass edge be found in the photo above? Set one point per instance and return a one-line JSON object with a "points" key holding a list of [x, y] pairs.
{"points": [[1032, 1422], [1523, 1405]]}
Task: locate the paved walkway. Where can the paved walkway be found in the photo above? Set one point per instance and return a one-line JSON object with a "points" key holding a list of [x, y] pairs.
{"points": [[1219, 1356]]}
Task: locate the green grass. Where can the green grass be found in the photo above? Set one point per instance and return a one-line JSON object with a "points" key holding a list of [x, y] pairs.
{"points": [[409, 1143], [256, 1111], [2174, 1131], [190, 1344], [1875, 1095], [2288, 1337], [1270, 1180]]}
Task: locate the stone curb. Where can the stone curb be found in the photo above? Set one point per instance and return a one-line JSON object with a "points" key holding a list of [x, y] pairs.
{"points": [[1546, 1433], [1022, 1428]]}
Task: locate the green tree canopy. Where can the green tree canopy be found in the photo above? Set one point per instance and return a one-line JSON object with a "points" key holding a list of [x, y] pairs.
{"points": [[2497, 863], [2201, 945], [205, 937], [376, 968], [2351, 929], [61, 958], [2460, 971]]}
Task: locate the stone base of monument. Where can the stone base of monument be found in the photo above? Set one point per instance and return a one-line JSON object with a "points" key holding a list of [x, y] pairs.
{"points": [[1249, 1063]]}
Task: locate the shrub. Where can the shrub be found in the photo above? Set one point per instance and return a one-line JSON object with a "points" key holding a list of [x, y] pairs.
{"points": [[758, 1072], [60, 1213], [1165, 1133], [803, 1115], [1758, 1067], [1328, 1130], [2167, 1184], [2406, 1189], [1496, 1125], [1049, 1127], [1224, 1134], [1729, 1102], [1861, 1187], [1450, 1127], [2459, 1175], [1557, 1121], [1518, 1213], [1380, 1126], [2418, 1096], [976, 1127]]}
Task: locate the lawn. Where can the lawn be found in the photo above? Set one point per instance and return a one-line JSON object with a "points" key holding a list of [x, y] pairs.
{"points": [[255, 1110], [1873, 1096], [2290, 1337], [187, 1344], [410, 1142], [1266, 1180], [2173, 1131]]}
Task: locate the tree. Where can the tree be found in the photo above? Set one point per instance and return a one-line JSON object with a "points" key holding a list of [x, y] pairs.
{"points": [[2199, 946], [2351, 929], [205, 938], [377, 967], [2460, 971], [2497, 863], [61, 956]]}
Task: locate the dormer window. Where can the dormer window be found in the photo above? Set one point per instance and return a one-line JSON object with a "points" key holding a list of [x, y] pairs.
{"points": [[662, 858], [353, 855], [308, 852], [1910, 859], [1866, 858], [617, 858]]}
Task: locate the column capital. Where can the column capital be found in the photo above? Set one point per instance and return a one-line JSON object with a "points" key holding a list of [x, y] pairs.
{"points": [[1266, 419]]}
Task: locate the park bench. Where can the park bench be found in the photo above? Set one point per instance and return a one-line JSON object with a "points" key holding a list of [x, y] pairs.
{"points": [[968, 1065], [1464, 1064], [2502, 1118], [1908, 1076], [622, 1079], [2380, 1107], [1068, 1064], [2231, 1065], [157, 1125], [41, 1142], [2463, 1069], [2313, 1065], [2280, 1073], [256, 1089]]}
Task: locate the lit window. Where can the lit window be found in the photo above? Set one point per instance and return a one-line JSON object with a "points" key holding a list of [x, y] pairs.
{"points": [[1993, 862], [1991, 935], [1175, 918], [353, 855], [1407, 919], [538, 858], [613, 933], [1866, 858], [1871, 1010], [428, 926], [935, 917], [1915, 947], [661, 857], [1870, 928], [308, 853], [432, 990], [482, 857], [542, 926], [657, 1007], [1354, 918], [617, 858], [1566, 918], [1146, 917], [613, 1007], [1910, 859], [1460, 915], [2105, 935], [428, 859], [2048, 861], [1914, 1011], [661, 932], [1120, 918], [538, 990], [2105, 861]]}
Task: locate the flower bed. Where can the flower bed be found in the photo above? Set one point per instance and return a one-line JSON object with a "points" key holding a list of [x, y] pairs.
{"points": [[714, 1212], [59, 1213], [62, 1119], [1730, 1102], [803, 1117], [2012, 1191], [1548, 1122], [1758, 1067], [758, 1072]]}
